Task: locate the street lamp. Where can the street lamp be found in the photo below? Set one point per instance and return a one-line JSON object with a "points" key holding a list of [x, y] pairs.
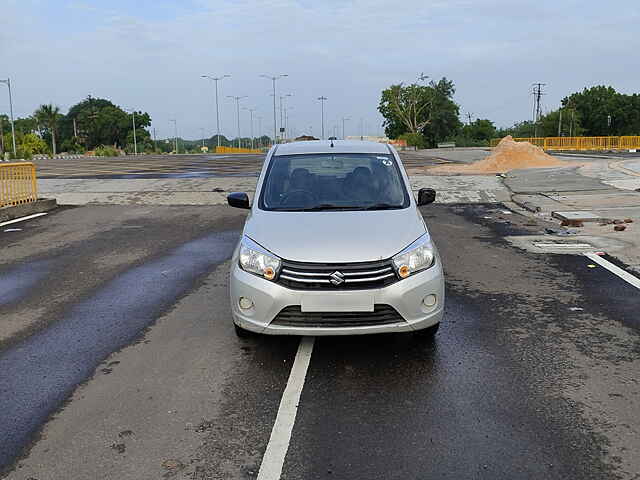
{"points": [[13, 130], [251, 110], [344, 119], [175, 138], [322, 100], [237, 99], [259, 131], [215, 79], [273, 79]]}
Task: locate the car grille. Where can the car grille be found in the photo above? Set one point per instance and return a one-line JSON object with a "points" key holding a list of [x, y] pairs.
{"points": [[345, 276], [293, 316]]}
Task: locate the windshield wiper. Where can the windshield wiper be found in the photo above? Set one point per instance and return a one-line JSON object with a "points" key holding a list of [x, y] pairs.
{"points": [[381, 206], [332, 206]]}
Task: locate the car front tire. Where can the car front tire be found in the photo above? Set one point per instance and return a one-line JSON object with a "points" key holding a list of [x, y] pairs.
{"points": [[242, 333], [429, 332]]}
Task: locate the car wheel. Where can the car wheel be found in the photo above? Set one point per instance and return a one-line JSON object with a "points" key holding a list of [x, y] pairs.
{"points": [[242, 333], [428, 332]]}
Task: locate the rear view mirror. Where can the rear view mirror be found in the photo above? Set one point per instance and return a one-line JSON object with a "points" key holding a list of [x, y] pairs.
{"points": [[426, 196], [238, 200]]}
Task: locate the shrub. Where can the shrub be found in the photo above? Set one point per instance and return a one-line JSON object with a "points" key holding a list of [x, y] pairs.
{"points": [[107, 151], [414, 140]]}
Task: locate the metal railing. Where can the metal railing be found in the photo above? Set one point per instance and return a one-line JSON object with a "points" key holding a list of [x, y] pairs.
{"points": [[580, 143], [237, 150], [18, 183]]}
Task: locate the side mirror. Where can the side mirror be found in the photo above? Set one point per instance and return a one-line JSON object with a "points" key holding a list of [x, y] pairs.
{"points": [[426, 196], [238, 200]]}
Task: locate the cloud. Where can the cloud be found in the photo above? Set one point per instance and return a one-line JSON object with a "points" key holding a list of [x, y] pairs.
{"points": [[150, 55]]}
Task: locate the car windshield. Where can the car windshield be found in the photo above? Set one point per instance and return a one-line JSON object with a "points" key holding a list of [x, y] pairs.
{"points": [[318, 182]]}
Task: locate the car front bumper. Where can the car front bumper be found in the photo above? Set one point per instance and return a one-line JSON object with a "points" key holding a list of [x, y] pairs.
{"points": [[269, 298]]}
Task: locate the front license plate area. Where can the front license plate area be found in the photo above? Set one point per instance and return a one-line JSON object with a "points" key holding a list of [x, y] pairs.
{"points": [[337, 302]]}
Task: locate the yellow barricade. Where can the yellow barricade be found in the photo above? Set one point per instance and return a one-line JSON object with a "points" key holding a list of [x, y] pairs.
{"points": [[18, 183], [580, 143], [237, 150]]}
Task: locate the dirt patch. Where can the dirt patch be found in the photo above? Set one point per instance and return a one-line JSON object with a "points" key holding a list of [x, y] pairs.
{"points": [[507, 155]]}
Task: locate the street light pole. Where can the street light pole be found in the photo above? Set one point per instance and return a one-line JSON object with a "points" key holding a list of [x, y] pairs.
{"points": [[273, 79], [251, 110], [175, 138], [322, 99], [259, 131], [216, 79], [13, 130], [344, 119], [237, 99]]}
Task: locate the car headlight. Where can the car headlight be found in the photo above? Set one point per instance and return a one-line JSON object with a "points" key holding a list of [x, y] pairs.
{"points": [[416, 257], [255, 259]]}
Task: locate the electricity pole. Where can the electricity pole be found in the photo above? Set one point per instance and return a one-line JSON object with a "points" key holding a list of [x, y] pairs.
{"points": [[216, 79], [237, 99], [13, 130], [560, 124], [537, 104], [469, 117], [273, 79], [322, 100], [260, 131]]}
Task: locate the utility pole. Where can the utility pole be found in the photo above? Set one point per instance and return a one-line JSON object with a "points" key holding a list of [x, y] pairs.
{"points": [[13, 130], [322, 100], [175, 138], [273, 79], [259, 131], [75, 128], [1, 140], [237, 99], [469, 117], [283, 99], [344, 119], [155, 142], [216, 79], [560, 124], [202, 130], [537, 104]]}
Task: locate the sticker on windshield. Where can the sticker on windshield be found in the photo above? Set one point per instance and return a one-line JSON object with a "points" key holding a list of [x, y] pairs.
{"points": [[385, 161]]}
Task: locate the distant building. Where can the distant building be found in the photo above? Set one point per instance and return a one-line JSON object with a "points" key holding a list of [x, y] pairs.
{"points": [[305, 138]]}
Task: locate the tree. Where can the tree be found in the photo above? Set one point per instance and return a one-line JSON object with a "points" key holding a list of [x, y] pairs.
{"points": [[603, 111], [48, 115], [100, 122], [425, 109], [480, 129]]}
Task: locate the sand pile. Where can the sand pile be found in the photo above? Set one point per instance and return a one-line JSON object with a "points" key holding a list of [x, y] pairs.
{"points": [[507, 155]]}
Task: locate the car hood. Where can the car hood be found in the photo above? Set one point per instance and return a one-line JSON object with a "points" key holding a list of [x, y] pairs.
{"points": [[335, 236]]}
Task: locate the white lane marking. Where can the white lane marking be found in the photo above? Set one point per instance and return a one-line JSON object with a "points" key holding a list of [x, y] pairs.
{"points": [[627, 277], [273, 460], [22, 219]]}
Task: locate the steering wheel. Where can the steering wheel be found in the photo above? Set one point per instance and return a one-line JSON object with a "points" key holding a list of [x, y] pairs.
{"points": [[299, 196]]}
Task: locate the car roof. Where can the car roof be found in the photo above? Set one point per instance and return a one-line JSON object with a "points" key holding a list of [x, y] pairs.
{"points": [[325, 146]]}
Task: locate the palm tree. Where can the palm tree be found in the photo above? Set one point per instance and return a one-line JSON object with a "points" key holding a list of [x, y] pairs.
{"points": [[49, 115]]}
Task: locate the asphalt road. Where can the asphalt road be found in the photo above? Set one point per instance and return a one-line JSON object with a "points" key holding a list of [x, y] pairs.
{"points": [[185, 166], [118, 360]]}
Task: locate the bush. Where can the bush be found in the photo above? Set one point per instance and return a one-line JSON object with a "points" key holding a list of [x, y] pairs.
{"points": [[414, 140], [106, 151], [71, 145]]}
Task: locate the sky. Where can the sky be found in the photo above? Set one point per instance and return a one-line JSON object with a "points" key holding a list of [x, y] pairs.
{"points": [[150, 54]]}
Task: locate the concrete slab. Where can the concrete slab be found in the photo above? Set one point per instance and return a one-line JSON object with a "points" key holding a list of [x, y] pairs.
{"points": [[581, 216], [544, 180]]}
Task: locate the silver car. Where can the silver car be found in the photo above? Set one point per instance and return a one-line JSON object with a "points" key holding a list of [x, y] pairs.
{"points": [[334, 245]]}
